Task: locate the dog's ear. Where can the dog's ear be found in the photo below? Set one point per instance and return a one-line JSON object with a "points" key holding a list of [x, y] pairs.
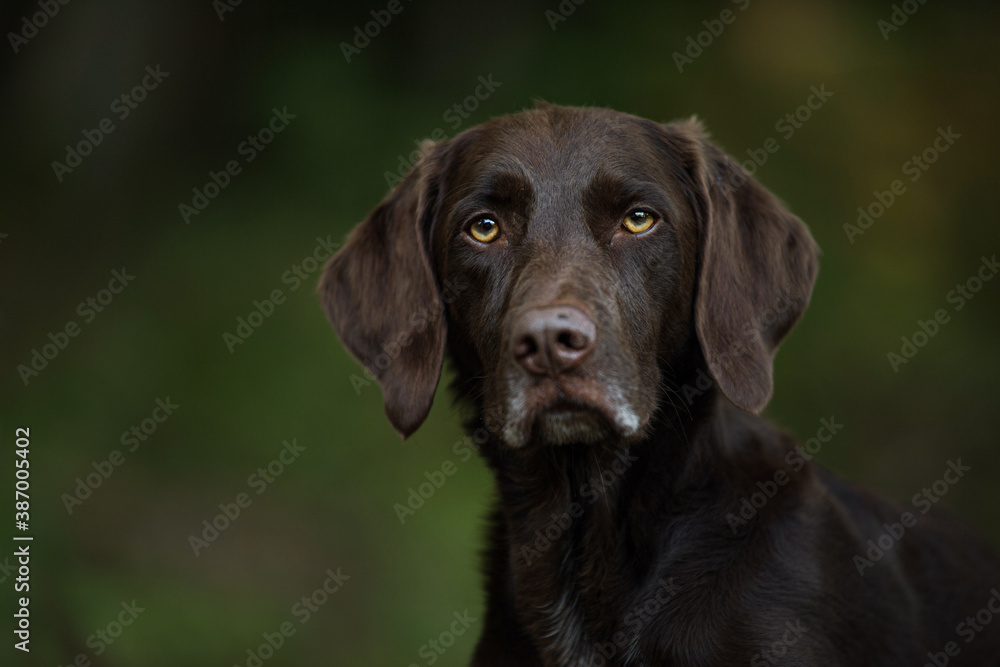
{"points": [[757, 265], [382, 297]]}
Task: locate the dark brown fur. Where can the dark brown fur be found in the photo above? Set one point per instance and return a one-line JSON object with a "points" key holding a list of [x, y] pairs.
{"points": [[613, 541]]}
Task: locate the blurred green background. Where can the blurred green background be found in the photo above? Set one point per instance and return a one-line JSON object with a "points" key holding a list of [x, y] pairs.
{"points": [[333, 507]]}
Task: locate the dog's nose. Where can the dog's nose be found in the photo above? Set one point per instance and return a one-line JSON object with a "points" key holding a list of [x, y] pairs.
{"points": [[552, 340]]}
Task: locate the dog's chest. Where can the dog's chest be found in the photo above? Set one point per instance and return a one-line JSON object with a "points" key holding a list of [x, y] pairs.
{"points": [[584, 597], [572, 578]]}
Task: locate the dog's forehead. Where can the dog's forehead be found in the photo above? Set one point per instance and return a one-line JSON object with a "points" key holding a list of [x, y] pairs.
{"points": [[561, 149]]}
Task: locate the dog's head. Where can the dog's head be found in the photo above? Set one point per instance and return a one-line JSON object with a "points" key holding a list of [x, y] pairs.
{"points": [[565, 256]]}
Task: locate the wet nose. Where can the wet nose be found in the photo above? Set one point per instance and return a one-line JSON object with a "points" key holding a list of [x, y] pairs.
{"points": [[552, 340]]}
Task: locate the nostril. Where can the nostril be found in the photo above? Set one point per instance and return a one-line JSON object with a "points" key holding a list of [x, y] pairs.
{"points": [[572, 340], [526, 346], [552, 340]]}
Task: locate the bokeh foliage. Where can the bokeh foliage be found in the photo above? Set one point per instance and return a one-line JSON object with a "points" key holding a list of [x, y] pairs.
{"points": [[333, 507]]}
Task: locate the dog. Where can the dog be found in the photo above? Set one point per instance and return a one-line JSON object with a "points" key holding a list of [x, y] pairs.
{"points": [[611, 292]]}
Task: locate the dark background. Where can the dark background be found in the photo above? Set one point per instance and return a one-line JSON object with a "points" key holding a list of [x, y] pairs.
{"points": [[162, 336]]}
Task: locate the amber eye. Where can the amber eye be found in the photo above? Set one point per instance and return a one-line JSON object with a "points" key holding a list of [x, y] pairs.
{"points": [[484, 230], [638, 221]]}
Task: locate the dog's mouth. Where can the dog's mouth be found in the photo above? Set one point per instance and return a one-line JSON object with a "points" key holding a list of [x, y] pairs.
{"points": [[569, 421], [568, 411]]}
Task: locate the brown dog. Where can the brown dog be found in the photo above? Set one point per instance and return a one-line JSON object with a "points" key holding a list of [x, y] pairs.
{"points": [[616, 291]]}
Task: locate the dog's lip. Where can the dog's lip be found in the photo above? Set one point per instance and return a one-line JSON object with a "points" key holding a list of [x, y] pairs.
{"points": [[563, 409], [572, 403], [565, 405], [570, 395], [556, 395]]}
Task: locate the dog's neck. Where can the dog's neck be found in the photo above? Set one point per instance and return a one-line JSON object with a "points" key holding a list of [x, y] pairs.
{"points": [[585, 527]]}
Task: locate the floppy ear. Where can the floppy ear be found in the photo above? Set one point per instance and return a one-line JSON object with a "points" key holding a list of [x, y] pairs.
{"points": [[757, 266], [381, 296]]}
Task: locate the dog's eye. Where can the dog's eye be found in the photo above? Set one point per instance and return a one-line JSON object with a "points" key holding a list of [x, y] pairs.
{"points": [[484, 229], [638, 221]]}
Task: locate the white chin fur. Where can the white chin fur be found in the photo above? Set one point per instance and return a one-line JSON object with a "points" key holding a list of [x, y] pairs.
{"points": [[559, 427], [562, 427]]}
